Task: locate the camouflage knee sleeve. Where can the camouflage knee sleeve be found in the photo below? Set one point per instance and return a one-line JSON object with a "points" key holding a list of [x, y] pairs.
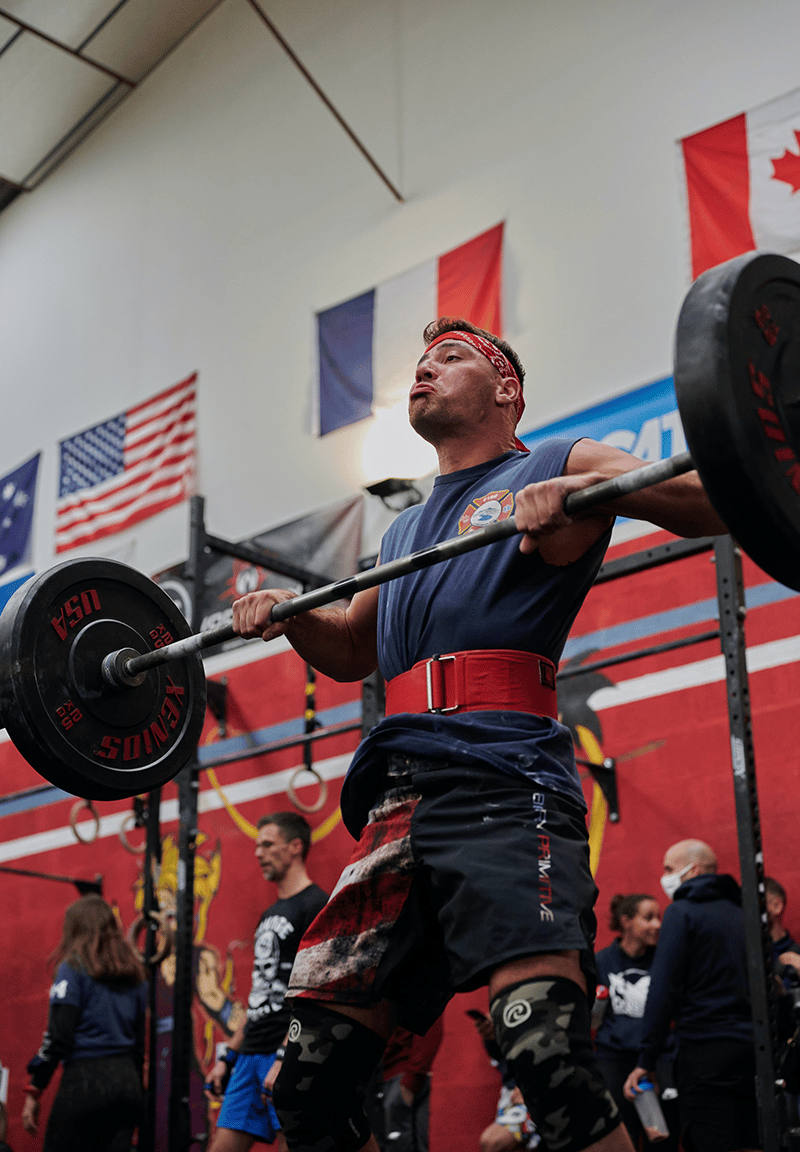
{"points": [[319, 1091], [543, 1030]]}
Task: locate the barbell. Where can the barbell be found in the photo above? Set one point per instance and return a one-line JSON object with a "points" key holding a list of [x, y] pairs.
{"points": [[102, 687]]}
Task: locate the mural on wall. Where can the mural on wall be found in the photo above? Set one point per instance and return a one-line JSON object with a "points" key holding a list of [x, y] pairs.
{"points": [[217, 1010]]}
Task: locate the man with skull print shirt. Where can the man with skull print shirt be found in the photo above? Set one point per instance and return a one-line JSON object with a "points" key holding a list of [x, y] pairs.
{"points": [[281, 848]]}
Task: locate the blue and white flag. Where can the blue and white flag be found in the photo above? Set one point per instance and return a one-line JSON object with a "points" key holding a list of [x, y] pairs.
{"points": [[17, 493]]}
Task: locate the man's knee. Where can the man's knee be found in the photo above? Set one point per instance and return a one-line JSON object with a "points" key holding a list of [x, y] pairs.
{"points": [[319, 1091], [543, 1030], [496, 1138]]}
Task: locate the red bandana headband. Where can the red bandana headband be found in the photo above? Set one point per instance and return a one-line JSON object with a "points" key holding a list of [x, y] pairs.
{"points": [[492, 354], [500, 361]]}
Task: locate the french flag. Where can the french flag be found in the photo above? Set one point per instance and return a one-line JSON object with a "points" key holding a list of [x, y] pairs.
{"points": [[743, 184], [368, 346]]}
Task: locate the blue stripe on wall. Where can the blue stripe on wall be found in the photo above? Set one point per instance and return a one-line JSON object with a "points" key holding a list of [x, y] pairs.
{"points": [[8, 590], [659, 622], [48, 794]]}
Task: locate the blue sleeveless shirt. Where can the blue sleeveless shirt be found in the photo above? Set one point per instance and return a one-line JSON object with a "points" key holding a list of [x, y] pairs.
{"points": [[493, 597]]}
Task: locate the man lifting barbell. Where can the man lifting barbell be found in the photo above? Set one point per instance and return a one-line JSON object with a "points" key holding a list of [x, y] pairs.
{"points": [[101, 685], [465, 797], [472, 863]]}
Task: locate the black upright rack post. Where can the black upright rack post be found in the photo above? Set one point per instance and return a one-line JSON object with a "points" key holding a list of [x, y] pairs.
{"points": [[180, 1117], [152, 859], [730, 592]]}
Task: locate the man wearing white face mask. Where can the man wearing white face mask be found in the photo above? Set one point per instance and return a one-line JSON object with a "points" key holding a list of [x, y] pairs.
{"points": [[699, 981]]}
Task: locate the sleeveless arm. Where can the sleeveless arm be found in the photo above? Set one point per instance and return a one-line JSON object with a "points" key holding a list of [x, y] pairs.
{"points": [[339, 642], [680, 505]]}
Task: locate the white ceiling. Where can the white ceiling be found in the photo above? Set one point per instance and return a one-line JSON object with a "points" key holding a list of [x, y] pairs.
{"points": [[66, 64]]}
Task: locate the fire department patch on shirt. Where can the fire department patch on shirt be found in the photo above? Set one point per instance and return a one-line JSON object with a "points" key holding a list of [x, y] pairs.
{"points": [[486, 510]]}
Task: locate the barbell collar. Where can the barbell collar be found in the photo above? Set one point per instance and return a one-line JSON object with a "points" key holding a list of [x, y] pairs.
{"points": [[114, 669], [120, 670]]}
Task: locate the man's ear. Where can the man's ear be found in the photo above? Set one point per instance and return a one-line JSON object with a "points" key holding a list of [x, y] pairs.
{"points": [[507, 390]]}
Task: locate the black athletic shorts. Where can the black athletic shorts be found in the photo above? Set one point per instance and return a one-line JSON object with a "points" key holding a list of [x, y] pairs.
{"points": [[717, 1095], [458, 870]]}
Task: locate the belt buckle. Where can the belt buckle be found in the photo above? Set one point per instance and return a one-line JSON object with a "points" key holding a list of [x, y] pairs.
{"points": [[429, 684]]}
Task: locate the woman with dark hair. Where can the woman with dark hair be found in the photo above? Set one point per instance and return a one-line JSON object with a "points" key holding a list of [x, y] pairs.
{"points": [[96, 1026], [623, 975]]}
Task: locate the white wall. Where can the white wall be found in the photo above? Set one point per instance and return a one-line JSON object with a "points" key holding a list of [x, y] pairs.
{"points": [[203, 224]]}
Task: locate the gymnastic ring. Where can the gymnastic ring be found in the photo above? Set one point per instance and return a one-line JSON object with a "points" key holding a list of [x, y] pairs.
{"points": [[73, 821], [123, 838], [323, 790], [162, 923]]}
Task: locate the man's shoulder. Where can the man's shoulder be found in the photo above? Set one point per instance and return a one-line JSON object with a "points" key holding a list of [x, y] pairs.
{"points": [[310, 896], [543, 461], [717, 888], [311, 893], [675, 918], [315, 897]]}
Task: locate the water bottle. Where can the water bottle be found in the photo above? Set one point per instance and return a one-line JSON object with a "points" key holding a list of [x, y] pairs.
{"points": [[600, 1006], [649, 1112]]}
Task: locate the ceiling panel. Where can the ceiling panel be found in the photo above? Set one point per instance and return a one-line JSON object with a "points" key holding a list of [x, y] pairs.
{"points": [[69, 21], [53, 90], [43, 93], [7, 32], [120, 44]]}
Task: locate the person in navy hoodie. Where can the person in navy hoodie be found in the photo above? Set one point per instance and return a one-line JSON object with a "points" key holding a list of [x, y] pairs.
{"points": [[699, 981], [623, 980], [96, 1025], [785, 949]]}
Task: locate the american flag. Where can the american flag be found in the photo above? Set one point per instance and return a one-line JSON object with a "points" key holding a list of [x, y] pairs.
{"points": [[127, 468]]}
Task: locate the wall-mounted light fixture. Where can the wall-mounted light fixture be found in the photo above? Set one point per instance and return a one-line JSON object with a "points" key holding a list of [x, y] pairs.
{"points": [[396, 494]]}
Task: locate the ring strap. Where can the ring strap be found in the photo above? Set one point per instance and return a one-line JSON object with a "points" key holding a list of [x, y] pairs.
{"points": [[490, 680]]}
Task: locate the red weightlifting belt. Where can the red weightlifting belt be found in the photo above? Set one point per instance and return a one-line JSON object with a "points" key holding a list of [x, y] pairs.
{"points": [[492, 680]]}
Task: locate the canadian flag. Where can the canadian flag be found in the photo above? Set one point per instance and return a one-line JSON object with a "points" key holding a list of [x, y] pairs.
{"points": [[743, 184]]}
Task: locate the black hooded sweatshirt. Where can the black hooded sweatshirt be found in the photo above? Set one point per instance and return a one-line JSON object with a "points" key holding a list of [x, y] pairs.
{"points": [[699, 973]]}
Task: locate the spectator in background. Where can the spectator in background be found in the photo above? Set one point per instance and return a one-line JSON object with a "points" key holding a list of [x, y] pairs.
{"points": [[699, 980], [623, 976], [512, 1127], [243, 1069], [785, 950], [786, 969], [96, 1026], [407, 1063], [4, 1147]]}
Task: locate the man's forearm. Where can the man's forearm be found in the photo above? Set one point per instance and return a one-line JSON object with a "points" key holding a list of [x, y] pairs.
{"points": [[680, 505], [339, 642], [324, 639], [235, 1041]]}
